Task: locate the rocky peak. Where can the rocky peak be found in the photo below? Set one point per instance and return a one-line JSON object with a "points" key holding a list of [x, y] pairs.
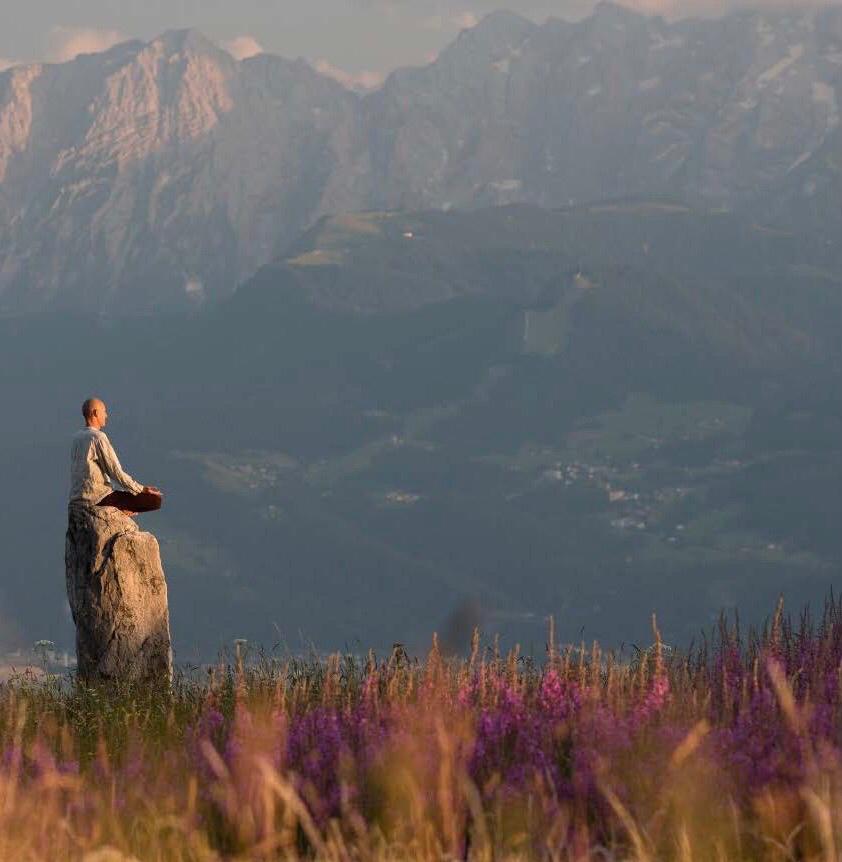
{"points": [[169, 92], [499, 27], [185, 41], [608, 12], [497, 36]]}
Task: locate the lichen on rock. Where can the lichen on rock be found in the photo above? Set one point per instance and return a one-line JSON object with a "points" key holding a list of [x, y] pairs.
{"points": [[118, 596]]}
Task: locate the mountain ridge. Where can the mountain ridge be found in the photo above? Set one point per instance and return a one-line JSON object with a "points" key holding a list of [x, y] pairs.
{"points": [[158, 175]]}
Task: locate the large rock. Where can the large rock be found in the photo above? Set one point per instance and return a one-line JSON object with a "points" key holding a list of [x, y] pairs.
{"points": [[118, 596]]}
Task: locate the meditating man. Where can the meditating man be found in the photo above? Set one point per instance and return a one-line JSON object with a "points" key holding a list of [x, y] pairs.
{"points": [[94, 466]]}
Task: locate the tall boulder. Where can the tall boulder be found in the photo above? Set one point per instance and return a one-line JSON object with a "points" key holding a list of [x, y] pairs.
{"points": [[118, 597]]}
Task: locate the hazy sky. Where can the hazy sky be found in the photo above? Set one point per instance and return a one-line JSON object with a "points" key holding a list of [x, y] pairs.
{"points": [[353, 36]]}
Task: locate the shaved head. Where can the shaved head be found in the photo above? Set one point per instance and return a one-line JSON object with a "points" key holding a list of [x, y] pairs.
{"points": [[92, 407]]}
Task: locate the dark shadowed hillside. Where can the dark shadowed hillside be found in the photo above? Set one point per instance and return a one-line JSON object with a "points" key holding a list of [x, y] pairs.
{"points": [[595, 412]]}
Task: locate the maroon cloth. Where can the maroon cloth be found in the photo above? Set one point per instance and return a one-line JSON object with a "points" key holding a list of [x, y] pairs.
{"points": [[128, 502]]}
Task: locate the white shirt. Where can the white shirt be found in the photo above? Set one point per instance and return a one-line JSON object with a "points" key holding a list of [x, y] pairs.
{"points": [[94, 465]]}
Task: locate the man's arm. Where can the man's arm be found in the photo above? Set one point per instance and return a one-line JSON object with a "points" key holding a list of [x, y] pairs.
{"points": [[111, 464]]}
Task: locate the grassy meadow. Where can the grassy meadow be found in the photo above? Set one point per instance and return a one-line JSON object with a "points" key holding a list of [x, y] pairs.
{"points": [[728, 751]]}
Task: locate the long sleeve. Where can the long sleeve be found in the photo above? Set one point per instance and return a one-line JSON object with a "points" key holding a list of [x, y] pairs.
{"points": [[112, 468]]}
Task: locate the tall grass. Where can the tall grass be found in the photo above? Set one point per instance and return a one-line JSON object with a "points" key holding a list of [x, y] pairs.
{"points": [[730, 751]]}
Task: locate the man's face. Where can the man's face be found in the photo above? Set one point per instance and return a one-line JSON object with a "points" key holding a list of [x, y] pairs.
{"points": [[101, 414]]}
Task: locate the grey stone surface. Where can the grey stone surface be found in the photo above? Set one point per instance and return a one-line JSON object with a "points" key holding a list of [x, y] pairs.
{"points": [[118, 597]]}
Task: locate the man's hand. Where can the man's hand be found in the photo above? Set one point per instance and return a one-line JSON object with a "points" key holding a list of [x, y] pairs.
{"points": [[151, 489]]}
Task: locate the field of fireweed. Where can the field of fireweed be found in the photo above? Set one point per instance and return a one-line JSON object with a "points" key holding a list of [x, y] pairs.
{"points": [[730, 751]]}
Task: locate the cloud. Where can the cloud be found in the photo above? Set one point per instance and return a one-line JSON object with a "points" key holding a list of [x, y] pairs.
{"points": [[66, 43], [466, 21], [243, 47], [365, 80]]}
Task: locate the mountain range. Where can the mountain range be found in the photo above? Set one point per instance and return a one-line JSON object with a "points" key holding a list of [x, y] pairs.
{"points": [[157, 176]]}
